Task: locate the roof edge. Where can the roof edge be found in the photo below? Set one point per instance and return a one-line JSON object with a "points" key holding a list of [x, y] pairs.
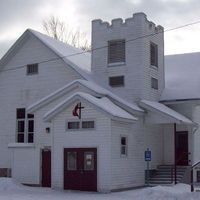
{"points": [[190, 122], [57, 109], [58, 93]]}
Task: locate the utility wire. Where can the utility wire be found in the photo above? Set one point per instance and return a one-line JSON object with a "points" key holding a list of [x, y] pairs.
{"points": [[102, 47]]}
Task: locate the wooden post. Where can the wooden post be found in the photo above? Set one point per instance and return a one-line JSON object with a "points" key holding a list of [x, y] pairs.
{"points": [[192, 186], [175, 156]]}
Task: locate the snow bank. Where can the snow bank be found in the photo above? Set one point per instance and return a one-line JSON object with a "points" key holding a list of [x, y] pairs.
{"points": [[7, 184], [9, 190]]}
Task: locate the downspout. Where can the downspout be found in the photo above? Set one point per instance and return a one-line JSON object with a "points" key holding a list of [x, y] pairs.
{"points": [[196, 126]]}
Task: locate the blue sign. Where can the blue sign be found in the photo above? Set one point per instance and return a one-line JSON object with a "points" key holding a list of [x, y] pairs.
{"points": [[147, 155]]}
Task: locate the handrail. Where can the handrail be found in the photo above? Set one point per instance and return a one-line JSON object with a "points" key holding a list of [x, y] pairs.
{"points": [[194, 165], [191, 178], [172, 174]]}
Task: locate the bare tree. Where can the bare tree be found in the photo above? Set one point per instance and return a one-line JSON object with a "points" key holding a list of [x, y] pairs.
{"points": [[59, 30]]}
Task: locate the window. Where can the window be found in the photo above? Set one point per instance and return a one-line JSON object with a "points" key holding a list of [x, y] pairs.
{"points": [[88, 124], [154, 54], [30, 122], [116, 51], [73, 125], [20, 124], [154, 83], [116, 81], [88, 161], [32, 69], [78, 125], [123, 146], [24, 121], [71, 161]]}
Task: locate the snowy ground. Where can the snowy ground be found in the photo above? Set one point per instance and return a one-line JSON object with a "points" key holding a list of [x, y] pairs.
{"points": [[10, 190]]}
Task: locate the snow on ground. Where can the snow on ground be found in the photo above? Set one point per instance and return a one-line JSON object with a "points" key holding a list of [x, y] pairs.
{"points": [[10, 190]]}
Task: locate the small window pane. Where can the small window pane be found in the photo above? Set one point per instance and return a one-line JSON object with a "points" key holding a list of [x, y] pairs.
{"points": [[71, 160], [20, 127], [73, 125], [116, 51], [30, 116], [123, 150], [30, 138], [32, 69], [20, 137], [116, 81], [21, 113], [30, 125], [123, 141], [154, 83], [88, 124], [88, 161]]}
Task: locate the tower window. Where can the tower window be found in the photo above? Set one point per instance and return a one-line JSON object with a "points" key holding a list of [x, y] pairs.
{"points": [[154, 54], [116, 81], [32, 69], [154, 83], [116, 51]]}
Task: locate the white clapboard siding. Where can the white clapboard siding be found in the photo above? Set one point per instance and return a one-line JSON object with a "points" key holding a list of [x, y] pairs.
{"points": [[100, 138], [26, 165], [130, 171], [19, 90]]}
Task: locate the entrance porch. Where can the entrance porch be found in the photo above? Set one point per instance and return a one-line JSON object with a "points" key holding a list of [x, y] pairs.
{"points": [[177, 143]]}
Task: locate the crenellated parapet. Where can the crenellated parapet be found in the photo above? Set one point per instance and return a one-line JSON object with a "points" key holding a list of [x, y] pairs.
{"points": [[135, 20]]}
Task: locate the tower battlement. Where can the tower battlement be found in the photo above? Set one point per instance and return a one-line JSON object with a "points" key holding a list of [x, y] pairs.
{"points": [[135, 20]]}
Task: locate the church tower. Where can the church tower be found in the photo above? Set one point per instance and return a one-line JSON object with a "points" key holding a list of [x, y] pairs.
{"points": [[128, 57]]}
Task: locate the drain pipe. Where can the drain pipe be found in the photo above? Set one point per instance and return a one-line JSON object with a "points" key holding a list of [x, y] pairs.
{"points": [[196, 126]]}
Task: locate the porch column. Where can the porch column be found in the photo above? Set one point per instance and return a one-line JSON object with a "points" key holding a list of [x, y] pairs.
{"points": [[175, 159]]}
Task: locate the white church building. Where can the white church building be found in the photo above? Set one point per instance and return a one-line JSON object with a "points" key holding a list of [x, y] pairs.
{"points": [[82, 121]]}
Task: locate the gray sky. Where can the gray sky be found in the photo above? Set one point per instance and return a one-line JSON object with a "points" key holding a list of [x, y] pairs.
{"points": [[18, 15]]}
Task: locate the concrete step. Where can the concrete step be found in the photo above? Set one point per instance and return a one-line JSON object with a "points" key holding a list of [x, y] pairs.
{"points": [[169, 167], [169, 173], [167, 176], [164, 173]]}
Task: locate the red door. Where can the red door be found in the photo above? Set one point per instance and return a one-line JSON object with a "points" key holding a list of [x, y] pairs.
{"points": [[46, 168], [182, 148], [80, 169]]}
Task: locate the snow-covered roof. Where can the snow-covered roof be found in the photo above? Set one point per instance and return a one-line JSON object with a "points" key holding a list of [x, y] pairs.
{"points": [[161, 108], [77, 59], [103, 103], [182, 77], [130, 107]]}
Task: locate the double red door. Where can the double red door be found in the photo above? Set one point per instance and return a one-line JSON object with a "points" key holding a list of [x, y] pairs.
{"points": [[80, 169]]}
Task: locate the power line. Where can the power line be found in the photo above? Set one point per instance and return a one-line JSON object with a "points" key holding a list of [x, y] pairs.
{"points": [[102, 47]]}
